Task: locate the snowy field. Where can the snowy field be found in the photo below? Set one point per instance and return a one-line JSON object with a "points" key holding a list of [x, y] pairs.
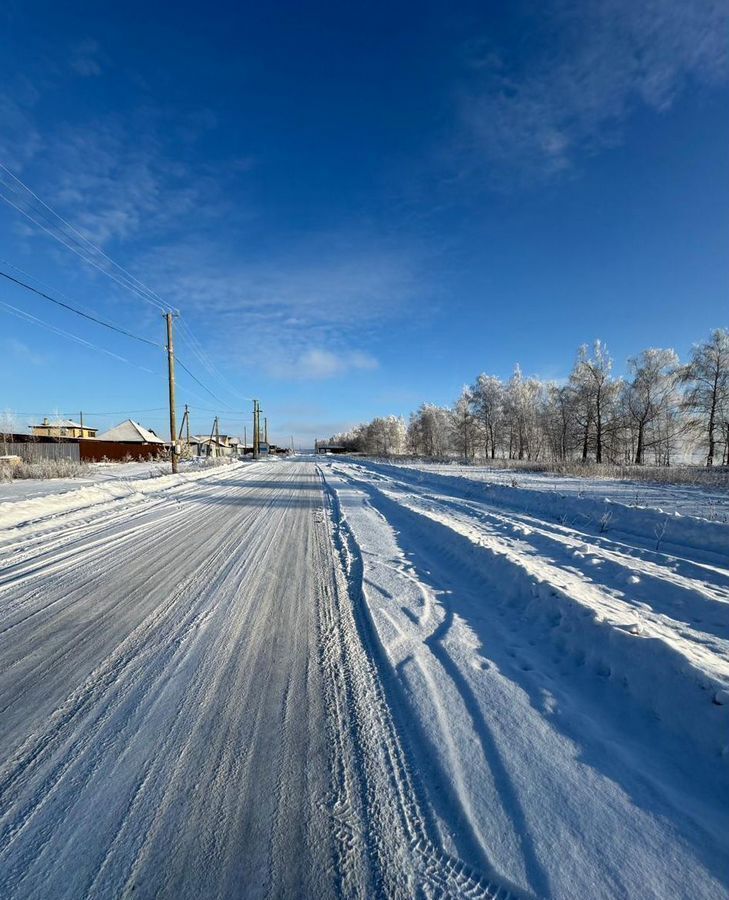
{"points": [[687, 500], [339, 678]]}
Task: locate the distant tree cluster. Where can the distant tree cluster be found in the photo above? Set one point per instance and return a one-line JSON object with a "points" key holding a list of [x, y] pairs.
{"points": [[662, 411]]}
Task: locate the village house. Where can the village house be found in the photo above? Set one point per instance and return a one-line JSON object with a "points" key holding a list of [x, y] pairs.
{"points": [[63, 428]]}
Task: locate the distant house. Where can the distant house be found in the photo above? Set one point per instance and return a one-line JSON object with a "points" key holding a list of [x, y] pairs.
{"points": [[63, 428], [130, 432], [127, 440], [207, 446]]}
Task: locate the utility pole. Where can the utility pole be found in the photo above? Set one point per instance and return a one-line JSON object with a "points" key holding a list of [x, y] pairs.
{"points": [[81, 420], [265, 429], [212, 432], [186, 425], [255, 429], [171, 373], [217, 437]]}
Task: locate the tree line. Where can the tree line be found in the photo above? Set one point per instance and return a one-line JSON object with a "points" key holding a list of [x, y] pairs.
{"points": [[664, 411]]}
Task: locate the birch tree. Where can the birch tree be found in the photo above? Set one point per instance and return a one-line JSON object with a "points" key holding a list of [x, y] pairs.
{"points": [[649, 395], [708, 377]]}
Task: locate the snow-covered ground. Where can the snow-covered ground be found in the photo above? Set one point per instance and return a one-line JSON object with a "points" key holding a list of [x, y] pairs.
{"points": [[687, 500], [563, 684], [336, 678], [187, 708], [97, 473], [25, 500]]}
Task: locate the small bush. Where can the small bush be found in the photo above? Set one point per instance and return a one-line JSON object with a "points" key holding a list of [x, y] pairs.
{"points": [[50, 468]]}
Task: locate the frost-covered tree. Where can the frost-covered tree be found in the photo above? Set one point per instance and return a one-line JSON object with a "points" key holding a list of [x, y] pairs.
{"points": [[595, 395], [522, 409], [650, 396], [385, 436], [707, 375], [429, 431], [487, 401], [463, 425], [8, 426], [558, 420]]}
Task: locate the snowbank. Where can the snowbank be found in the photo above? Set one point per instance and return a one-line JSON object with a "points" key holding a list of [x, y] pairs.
{"points": [[671, 532], [22, 511]]}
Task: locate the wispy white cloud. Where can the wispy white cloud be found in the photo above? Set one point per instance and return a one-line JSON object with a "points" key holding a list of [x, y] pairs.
{"points": [[114, 177], [304, 312], [86, 58], [139, 187], [591, 63], [20, 139], [20, 351], [317, 363]]}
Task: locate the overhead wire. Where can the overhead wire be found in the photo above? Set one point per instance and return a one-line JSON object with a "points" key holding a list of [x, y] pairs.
{"points": [[73, 249], [83, 247], [131, 282], [29, 317], [79, 312], [203, 386], [188, 335], [134, 283]]}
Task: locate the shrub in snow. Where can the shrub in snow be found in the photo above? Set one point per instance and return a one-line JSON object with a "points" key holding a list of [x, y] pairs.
{"points": [[51, 468]]}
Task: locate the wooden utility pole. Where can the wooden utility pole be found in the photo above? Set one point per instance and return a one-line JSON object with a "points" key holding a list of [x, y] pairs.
{"points": [[255, 429], [186, 425], [265, 429], [81, 420], [171, 373], [217, 437], [212, 432]]}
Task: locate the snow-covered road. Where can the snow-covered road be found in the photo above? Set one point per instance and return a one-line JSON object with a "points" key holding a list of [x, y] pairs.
{"points": [[314, 679], [187, 709]]}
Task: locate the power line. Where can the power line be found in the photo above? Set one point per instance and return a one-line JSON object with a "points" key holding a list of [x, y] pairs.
{"points": [[111, 412], [79, 244], [75, 250], [188, 336], [29, 317], [42, 284], [204, 387], [79, 312], [22, 314], [134, 283]]}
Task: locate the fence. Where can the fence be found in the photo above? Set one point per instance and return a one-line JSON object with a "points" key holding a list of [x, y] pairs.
{"points": [[32, 452], [93, 450]]}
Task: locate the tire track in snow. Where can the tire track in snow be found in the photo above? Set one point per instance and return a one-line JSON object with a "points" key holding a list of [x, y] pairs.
{"points": [[680, 813], [188, 709]]}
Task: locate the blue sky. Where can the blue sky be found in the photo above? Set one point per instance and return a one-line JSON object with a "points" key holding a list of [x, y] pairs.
{"points": [[358, 207]]}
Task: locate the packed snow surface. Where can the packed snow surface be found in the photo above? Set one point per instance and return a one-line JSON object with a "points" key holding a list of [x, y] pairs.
{"points": [[335, 678]]}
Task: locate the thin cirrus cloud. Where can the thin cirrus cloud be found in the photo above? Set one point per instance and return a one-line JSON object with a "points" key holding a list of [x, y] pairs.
{"points": [[301, 309], [591, 63], [86, 58], [302, 312], [316, 363]]}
